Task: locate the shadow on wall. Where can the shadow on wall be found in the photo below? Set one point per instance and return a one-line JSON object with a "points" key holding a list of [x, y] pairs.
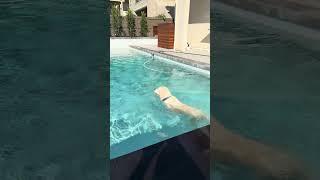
{"points": [[199, 11], [206, 39], [171, 11]]}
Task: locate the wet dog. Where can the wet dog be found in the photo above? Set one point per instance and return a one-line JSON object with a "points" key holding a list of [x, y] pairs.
{"points": [[233, 149], [173, 104]]}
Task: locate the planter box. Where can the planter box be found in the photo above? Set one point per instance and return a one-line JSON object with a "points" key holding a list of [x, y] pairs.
{"points": [[166, 35]]}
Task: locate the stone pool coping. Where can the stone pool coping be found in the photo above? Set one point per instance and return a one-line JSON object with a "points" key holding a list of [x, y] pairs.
{"points": [[187, 61]]}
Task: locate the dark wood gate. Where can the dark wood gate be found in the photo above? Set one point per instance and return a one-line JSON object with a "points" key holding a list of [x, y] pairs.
{"points": [[155, 30]]}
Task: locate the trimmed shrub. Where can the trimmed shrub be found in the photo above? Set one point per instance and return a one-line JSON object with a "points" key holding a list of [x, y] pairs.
{"points": [[163, 17], [116, 21], [131, 23], [144, 25]]}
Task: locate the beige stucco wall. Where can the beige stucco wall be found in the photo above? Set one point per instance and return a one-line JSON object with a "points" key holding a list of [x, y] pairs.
{"points": [[157, 7], [154, 7], [137, 6], [181, 24], [201, 39], [192, 25], [199, 24]]}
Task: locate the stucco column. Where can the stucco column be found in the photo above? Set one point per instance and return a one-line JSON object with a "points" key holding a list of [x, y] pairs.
{"points": [[181, 24]]}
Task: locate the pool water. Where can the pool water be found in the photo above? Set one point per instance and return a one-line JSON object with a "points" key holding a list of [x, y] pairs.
{"points": [[138, 118], [267, 89], [52, 111]]}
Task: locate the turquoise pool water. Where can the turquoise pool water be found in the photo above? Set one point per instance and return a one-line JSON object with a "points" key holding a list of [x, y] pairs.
{"points": [[138, 117]]}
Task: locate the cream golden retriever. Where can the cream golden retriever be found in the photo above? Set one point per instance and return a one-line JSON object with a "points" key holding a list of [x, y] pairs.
{"points": [[231, 148], [173, 104]]}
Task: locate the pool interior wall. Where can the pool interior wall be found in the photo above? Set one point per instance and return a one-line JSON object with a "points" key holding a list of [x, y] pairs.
{"points": [[120, 47], [145, 139]]}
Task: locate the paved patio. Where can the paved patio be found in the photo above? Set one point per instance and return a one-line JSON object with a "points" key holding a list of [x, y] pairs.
{"points": [[196, 58]]}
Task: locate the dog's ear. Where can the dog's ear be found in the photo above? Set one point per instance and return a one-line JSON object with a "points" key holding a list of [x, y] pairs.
{"points": [[156, 91]]}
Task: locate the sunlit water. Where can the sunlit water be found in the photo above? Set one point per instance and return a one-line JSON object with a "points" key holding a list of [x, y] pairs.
{"points": [[137, 113]]}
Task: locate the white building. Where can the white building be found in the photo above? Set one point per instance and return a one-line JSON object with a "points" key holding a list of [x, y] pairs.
{"points": [[152, 8], [123, 6], [192, 26]]}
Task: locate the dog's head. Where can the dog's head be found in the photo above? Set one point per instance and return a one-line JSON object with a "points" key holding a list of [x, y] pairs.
{"points": [[162, 92]]}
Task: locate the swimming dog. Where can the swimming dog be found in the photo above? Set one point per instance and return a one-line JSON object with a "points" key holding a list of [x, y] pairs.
{"points": [[173, 104], [231, 148]]}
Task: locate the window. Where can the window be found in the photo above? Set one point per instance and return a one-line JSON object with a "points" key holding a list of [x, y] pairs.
{"points": [[126, 5]]}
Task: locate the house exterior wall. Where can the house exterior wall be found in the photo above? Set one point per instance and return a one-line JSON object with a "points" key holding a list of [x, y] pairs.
{"points": [[120, 4], [192, 23], [136, 5], [154, 7], [157, 7], [199, 22], [181, 24]]}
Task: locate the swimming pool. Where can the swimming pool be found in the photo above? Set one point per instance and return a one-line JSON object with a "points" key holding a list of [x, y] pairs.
{"points": [[267, 89], [138, 118]]}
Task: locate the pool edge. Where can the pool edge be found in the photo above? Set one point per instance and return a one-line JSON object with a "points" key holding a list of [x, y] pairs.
{"points": [[201, 68]]}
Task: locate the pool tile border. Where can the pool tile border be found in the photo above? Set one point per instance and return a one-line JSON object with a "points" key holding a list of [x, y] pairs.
{"points": [[190, 62]]}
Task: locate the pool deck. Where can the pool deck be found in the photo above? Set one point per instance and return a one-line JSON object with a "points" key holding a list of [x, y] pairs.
{"points": [[196, 58]]}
